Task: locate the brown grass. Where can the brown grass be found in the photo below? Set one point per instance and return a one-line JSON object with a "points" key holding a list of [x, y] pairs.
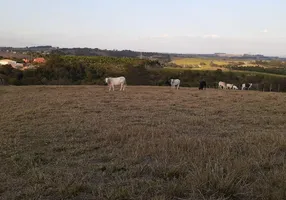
{"points": [[83, 142]]}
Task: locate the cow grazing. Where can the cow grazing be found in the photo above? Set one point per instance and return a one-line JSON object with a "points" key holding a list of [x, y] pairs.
{"points": [[203, 85], [234, 87], [112, 81], [221, 85], [175, 83], [229, 86], [246, 86]]}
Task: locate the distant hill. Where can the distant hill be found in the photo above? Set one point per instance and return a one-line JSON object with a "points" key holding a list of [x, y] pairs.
{"points": [[24, 52]]}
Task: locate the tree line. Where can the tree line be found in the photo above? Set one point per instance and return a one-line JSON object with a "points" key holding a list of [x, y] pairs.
{"points": [[270, 70], [78, 70]]}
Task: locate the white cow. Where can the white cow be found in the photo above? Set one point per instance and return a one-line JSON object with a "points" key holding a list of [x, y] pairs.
{"points": [[229, 86], [112, 81], [234, 87], [221, 85], [246, 86], [175, 82]]}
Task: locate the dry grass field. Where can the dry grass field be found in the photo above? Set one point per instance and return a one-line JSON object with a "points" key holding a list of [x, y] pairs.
{"points": [[83, 142], [197, 61], [191, 62]]}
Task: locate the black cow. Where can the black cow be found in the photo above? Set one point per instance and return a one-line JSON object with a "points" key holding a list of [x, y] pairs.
{"points": [[246, 86], [203, 85]]}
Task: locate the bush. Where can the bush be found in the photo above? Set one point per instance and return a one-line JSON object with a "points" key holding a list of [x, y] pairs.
{"points": [[137, 75], [14, 81], [67, 70], [273, 70]]}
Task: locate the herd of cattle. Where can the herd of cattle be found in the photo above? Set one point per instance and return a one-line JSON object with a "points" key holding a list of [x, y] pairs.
{"points": [[223, 85], [175, 83]]}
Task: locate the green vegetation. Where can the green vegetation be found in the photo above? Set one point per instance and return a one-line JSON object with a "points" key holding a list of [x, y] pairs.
{"points": [[77, 70], [274, 70]]}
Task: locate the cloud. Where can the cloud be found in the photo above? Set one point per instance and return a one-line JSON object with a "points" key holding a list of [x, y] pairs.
{"points": [[165, 35], [264, 31], [176, 37], [211, 36]]}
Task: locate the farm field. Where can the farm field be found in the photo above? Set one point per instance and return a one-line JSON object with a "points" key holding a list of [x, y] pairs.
{"points": [[227, 70], [148, 142], [196, 64], [192, 62]]}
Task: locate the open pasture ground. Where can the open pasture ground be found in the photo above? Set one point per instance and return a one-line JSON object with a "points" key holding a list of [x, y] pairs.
{"points": [[83, 142]]}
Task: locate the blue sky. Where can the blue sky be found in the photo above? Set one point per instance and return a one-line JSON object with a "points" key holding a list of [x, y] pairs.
{"points": [[182, 26]]}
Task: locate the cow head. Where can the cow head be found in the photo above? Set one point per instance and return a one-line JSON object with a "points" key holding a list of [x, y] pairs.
{"points": [[107, 80]]}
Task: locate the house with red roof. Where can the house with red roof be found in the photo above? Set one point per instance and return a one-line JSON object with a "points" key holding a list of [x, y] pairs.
{"points": [[39, 60]]}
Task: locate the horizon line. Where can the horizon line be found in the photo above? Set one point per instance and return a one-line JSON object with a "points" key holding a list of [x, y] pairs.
{"points": [[161, 52]]}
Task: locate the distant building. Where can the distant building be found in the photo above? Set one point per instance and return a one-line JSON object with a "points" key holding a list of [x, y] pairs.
{"points": [[18, 66], [26, 60], [29, 67], [13, 63], [8, 62], [39, 60]]}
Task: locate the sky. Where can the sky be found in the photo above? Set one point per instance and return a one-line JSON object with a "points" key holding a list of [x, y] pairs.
{"points": [[174, 26]]}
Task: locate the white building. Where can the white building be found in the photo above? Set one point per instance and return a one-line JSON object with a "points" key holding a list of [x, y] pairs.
{"points": [[13, 63], [8, 62]]}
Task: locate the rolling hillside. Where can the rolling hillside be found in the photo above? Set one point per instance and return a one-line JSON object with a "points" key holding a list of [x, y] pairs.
{"points": [[249, 67]]}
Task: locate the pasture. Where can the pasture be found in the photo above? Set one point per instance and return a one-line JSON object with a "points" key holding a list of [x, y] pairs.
{"points": [[83, 142]]}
